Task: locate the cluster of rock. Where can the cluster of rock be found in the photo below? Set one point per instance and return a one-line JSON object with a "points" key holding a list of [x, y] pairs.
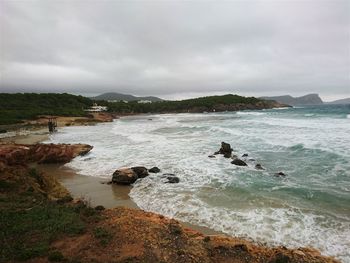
{"points": [[128, 176], [13, 154], [226, 151]]}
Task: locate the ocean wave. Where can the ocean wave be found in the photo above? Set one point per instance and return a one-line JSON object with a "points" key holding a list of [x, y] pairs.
{"points": [[275, 226], [250, 113], [282, 108]]}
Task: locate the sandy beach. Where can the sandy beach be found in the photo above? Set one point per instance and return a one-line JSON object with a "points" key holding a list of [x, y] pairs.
{"points": [[93, 189], [97, 192]]}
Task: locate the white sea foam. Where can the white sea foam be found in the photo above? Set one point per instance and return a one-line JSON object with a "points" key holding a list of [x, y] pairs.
{"points": [[282, 108], [276, 226], [255, 113]]}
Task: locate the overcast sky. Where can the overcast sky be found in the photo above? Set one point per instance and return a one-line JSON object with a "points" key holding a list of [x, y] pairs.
{"points": [[176, 49]]}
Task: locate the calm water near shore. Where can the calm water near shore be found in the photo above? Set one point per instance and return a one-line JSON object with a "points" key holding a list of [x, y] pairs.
{"points": [[310, 207]]}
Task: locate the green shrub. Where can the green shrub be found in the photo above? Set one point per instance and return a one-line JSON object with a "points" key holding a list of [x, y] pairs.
{"points": [[56, 256], [103, 235]]}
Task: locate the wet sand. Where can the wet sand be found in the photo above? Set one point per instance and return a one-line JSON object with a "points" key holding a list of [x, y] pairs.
{"points": [[93, 189], [97, 192]]}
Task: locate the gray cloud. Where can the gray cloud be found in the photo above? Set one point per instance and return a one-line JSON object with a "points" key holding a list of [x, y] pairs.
{"points": [[176, 48]]}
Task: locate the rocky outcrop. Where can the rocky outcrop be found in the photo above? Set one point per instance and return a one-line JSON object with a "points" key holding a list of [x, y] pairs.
{"points": [[58, 153], [239, 162], [127, 176], [280, 174], [154, 170], [140, 171], [173, 179], [225, 149], [21, 178], [102, 116], [258, 166], [14, 169], [13, 154]]}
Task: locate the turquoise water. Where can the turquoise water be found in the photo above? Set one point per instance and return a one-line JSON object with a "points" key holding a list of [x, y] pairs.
{"points": [[310, 207]]}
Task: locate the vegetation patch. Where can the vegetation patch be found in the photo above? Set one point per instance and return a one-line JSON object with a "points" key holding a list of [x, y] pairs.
{"points": [[29, 224], [56, 256], [15, 108], [103, 235]]}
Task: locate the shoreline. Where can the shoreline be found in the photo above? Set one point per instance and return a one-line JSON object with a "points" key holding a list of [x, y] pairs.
{"points": [[92, 189], [96, 191]]}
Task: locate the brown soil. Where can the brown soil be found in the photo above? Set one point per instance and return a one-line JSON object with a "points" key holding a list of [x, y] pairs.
{"points": [[138, 236]]}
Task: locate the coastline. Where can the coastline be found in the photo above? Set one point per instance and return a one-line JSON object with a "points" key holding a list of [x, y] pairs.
{"points": [[92, 189], [116, 197], [97, 192]]}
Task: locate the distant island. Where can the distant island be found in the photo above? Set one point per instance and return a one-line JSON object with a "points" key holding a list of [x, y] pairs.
{"points": [[114, 96], [309, 99], [342, 101]]}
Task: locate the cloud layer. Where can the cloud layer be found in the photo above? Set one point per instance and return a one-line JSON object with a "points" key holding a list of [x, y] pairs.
{"points": [[176, 48]]}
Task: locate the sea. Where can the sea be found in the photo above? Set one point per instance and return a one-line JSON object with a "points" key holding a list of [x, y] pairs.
{"points": [[309, 207]]}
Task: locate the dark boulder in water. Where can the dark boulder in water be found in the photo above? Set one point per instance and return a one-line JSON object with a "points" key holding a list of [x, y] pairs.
{"points": [[141, 171], [239, 162], [280, 174], [211, 156], [154, 170], [225, 149], [173, 179], [259, 167], [245, 155], [125, 176]]}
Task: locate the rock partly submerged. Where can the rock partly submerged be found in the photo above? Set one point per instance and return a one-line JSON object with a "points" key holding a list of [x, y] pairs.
{"points": [[127, 176], [124, 176], [239, 162], [258, 166], [154, 170], [172, 179], [225, 149]]}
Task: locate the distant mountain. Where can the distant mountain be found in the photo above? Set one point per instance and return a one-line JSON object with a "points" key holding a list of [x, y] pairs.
{"points": [[310, 99], [342, 101], [126, 97]]}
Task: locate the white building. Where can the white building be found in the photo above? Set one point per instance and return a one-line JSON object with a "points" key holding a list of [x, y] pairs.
{"points": [[97, 108]]}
